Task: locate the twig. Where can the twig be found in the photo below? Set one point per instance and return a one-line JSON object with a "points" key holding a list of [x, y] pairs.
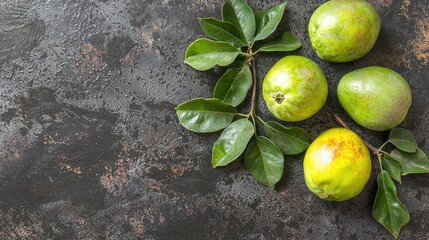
{"points": [[253, 65]]}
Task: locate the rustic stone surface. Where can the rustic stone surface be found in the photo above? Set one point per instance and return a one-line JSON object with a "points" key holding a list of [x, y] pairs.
{"points": [[90, 145]]}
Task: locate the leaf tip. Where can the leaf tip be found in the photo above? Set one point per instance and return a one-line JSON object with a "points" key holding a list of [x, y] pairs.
{"points": [[214, 165]]}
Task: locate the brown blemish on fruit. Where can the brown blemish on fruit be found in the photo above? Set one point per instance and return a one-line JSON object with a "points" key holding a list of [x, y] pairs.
{"points": [[278, 97], [338, 149]]}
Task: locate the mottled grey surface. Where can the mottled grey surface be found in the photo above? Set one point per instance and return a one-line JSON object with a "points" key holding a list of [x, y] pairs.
{"points": [[90, 146]]}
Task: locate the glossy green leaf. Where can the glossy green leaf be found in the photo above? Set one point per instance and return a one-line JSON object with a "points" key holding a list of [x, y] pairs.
{"points": [[241, 16], [205, 115], [387, 208], [204, 54], [417, 162], [264, 161], [393, 167], [233, 86], [232, 142], [286, 43], [267, 21], [222, 31], [403, 139], [290, 140], [239, 61]]}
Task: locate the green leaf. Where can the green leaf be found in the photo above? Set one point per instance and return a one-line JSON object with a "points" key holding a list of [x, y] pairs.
{"points": [[267, 21], [393, 167], [417, 162], [232, 142], [204, 54], [205, 115], [403, 139], [286, 43], [264, 161], [240, 15], [290, 140], [222, 31], [233, 86], [387, 209]]}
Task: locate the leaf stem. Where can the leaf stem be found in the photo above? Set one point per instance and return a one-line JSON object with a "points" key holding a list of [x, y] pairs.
{"points": [[246, 54], [254, 124], [262, 120], [382, 146], [379, 161]]}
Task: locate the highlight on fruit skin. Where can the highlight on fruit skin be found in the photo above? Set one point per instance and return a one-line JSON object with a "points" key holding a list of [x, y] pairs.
{"points": [[337, 165], [377, 98], [295, 88], [344, 30]]}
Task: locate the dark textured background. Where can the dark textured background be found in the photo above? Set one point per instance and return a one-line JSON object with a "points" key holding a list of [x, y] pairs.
{"points": [[90, 145]]}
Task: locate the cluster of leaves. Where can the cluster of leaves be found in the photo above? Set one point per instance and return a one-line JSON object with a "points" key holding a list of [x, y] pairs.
{"points": [[232, 37], [232, 42], [404, 159]]}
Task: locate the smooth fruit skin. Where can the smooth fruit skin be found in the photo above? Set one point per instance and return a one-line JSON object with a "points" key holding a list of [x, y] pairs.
{"points": [[344, 30], [377, 98], [295, 88], [337, 165]]}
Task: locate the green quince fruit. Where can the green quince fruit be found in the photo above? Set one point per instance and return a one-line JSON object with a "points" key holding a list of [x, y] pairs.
{"points": [[295, 88], [344, 30], [377, 98]]}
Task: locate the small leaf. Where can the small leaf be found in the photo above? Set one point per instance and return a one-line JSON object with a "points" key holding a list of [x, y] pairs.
{"points": [[393, 167], [417, 162], [403, 139], [232, 142], [264, 161], [204, 54], [286, 43], [222, 31], [267, 21], [241, 16], [290, 140], [233, 86], [387, 208], [205, 115]]}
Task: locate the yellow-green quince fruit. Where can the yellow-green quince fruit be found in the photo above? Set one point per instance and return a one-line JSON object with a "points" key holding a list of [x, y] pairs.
{"points": [[337, 165], [377, 98], [295, 88], [344, 30]]}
